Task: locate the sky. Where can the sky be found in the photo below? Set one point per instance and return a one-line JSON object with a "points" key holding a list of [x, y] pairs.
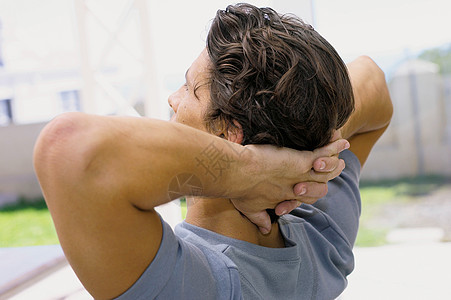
{"points": [[384, 25], [380, 28], [384, 29]]}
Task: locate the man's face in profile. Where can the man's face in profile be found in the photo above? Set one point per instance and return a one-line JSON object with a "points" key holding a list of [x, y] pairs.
{"points": [[191, 100]]}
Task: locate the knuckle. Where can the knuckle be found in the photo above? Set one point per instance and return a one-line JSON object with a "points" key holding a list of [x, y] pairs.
{"points": [[321, 178], [308, 200]]}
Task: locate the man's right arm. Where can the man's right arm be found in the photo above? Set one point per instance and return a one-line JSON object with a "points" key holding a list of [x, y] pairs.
{"points": [[102, 177]]}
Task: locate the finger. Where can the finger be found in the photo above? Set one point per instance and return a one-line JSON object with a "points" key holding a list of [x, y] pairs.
{"points": [[262, 220], [332, 148], [326, 164], [313, 190], [336, 135], [327, 176], [286, 207]]}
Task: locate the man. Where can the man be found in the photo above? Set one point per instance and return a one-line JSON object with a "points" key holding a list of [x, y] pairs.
{"points": [[264, 79]]}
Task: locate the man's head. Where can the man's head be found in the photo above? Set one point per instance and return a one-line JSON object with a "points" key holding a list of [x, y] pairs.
{"points": [[267, 79], [276, 77]]}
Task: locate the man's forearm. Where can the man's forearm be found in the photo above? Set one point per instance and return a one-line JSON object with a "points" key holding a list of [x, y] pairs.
{"points": [[165, 161]]}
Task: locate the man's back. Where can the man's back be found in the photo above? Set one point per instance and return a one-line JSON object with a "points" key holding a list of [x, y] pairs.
{"points": [[313, 265]]}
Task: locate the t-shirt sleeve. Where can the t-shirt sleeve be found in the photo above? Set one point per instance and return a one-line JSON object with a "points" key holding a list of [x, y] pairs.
{"points": [[182, 270], [342, 203]]}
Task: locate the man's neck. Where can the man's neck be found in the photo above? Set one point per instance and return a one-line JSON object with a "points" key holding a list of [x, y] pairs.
{"points": [[220, 216]]}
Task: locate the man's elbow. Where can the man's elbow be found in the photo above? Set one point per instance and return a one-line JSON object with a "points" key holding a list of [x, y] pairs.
{"points": [[385, 103], [379, 84], [61, 151]]}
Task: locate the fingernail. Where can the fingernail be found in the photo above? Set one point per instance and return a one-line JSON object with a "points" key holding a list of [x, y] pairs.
{"points": [[322, 165], [302, 192], [347, 145]]}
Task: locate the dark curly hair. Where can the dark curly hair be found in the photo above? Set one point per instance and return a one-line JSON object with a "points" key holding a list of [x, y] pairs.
{"points": [[275, 75]]}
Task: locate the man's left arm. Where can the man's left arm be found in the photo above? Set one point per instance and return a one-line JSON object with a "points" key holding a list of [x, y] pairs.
{"points": [[371, 117], [373, 107]]}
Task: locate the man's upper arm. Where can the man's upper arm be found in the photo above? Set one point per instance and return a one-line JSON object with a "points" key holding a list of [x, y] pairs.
{"points": [[107, 240]]}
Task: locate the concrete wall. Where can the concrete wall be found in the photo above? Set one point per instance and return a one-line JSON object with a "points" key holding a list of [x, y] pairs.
{"points": [[418, 140], [16, 164]]}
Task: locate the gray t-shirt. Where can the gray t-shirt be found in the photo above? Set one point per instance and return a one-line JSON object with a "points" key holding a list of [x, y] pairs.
{"points": [[195, 263]]}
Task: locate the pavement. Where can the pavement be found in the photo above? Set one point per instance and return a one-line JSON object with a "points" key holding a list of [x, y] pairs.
{"points": [[410, 268], [404, 271], [38, 273]]}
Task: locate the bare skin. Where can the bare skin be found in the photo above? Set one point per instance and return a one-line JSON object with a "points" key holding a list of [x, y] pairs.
{"points": [[362, 130], [103, 176]]}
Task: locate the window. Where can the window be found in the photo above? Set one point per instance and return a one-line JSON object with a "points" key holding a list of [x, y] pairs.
{"points": [[70, 101], [6, 116]]}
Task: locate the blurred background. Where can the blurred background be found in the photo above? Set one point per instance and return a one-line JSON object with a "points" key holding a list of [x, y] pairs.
{"points": [[124, 57]]}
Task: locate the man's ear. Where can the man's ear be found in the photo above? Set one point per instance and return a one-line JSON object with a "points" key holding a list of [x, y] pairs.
{"points": [[235, 133]]}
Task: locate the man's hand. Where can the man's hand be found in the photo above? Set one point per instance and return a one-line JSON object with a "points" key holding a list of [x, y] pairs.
{"points": [[284, 178], [312, 191]]}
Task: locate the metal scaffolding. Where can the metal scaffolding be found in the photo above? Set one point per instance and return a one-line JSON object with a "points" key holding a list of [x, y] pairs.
{"points": [[94, 80], [92, 77]]}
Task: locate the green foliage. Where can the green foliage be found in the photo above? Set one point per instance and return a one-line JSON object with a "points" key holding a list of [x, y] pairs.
{"points": [[183, 207], [26, 224], [371, 237], [440, 56], [373, 198], [376, 195]]}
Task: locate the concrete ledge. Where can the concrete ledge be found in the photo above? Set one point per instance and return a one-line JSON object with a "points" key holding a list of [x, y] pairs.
{"points": [[22, 267], [402, 271], [415, 235]]}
